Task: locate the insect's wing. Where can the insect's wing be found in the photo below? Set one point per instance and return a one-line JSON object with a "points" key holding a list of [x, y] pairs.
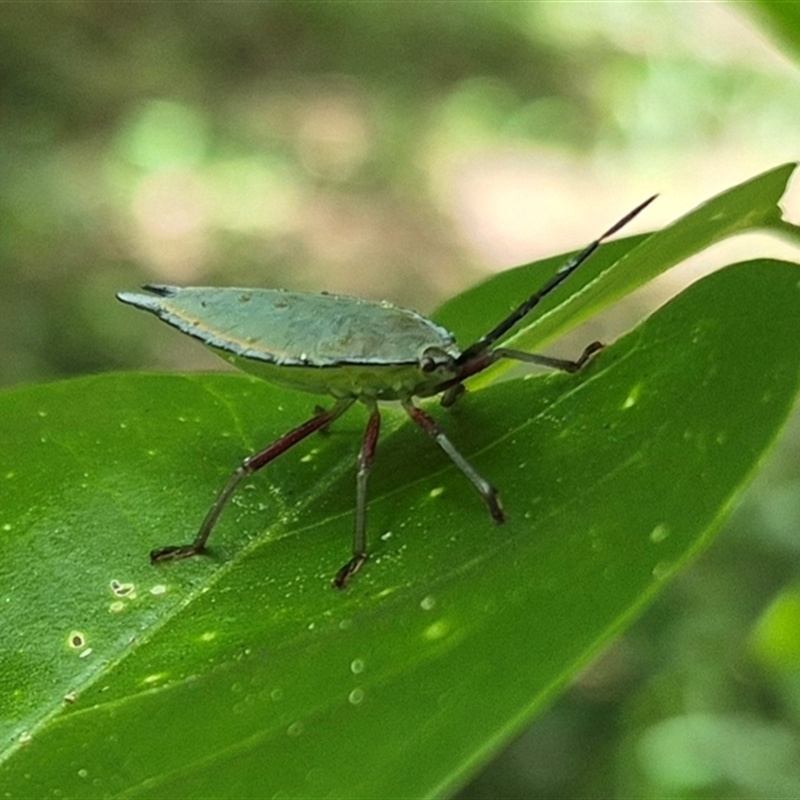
{"points": [[294, 328], [222, 318]]}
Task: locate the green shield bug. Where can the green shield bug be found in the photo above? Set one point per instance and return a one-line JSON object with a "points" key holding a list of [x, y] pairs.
{"points": [[353, 350]]}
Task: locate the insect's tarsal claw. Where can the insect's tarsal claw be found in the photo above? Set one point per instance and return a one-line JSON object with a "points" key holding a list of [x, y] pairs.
{"points": [[344, 575], [590, 350], [495, 509], [174, 552]]}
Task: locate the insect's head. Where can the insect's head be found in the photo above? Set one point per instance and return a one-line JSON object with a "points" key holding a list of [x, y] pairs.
{"points": [[438, 369], [437, 363]]}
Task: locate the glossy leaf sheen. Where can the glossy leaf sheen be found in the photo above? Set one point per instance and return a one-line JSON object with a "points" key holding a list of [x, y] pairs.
{"points": [[245, 674]]}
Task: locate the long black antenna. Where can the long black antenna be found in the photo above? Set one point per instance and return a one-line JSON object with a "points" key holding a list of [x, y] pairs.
{"points": [[486, 341]]}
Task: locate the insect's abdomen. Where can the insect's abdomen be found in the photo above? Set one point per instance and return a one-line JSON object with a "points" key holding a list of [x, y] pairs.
{"points": [[379, 382]]}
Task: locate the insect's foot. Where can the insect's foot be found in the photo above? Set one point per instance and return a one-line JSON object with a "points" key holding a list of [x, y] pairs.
{"points": [[348, 570], [496, 511], [179, 551], [587, 354]]}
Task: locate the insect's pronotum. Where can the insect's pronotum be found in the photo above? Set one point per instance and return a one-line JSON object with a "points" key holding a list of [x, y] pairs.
{"points": [[351, 349]]}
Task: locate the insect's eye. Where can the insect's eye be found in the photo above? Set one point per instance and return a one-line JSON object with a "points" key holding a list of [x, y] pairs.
{"points": [[433, 358]]}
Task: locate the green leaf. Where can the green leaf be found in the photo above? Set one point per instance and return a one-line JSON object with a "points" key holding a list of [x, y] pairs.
{"points": [[616, 269], [245, 674], [780, 19]]}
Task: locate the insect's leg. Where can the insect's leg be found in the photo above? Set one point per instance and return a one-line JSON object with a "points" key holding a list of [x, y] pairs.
{"points": [[481, 361], [452, 394], [485, 489], [248, 467], [325, 429], [546, 361], [365, 458]]}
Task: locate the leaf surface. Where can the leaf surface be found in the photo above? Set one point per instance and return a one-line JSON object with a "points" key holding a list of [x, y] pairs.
{"points": [[245, 674]]}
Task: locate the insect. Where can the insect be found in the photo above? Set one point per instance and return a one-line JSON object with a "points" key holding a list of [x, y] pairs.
{"points": [[354, 350]]}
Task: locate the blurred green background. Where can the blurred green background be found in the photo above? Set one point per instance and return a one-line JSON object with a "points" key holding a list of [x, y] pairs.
{"points": [[403, 151]]}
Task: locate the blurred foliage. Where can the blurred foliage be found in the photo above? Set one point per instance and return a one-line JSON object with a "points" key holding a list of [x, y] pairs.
{"points": [[312, 145], [316, 146], [211, 145]]}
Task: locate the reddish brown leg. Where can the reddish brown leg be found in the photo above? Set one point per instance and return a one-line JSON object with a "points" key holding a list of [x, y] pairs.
{"points": [[365, 459], [248, 467]]}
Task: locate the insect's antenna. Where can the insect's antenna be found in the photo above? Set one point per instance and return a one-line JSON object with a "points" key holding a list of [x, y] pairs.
{"points": [[486, 341]]}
